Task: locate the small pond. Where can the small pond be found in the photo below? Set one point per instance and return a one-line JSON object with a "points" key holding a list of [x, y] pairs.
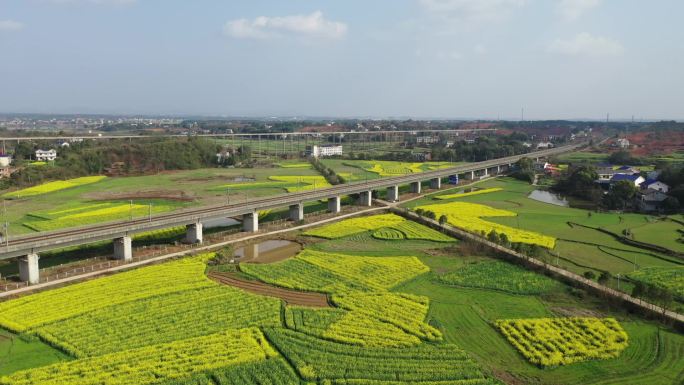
{"points": [[270, 251], [548, 197]]}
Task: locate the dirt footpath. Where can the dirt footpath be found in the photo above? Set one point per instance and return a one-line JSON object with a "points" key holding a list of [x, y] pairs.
{"points": [[292, 297]]}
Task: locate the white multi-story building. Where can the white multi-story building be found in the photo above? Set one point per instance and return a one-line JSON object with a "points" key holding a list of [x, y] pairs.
{"points": [[321, 151], [427, 139], [46, 155]]}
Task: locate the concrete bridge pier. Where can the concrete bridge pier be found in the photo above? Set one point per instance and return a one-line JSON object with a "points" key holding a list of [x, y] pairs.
{"points": [[193, 233], [365, 198], [29, 271], [297, 212], [393, 193], [416, 187], [250, 222], [436, 183], [123, 249], [334, 205], [498, 170]]}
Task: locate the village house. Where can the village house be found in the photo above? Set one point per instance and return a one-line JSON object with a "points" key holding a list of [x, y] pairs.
{"points": [[655, 185], [635, 179], [46, 155], [650, 200]]}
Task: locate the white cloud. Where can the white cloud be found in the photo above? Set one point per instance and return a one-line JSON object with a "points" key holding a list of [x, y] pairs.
{"points": [[572, 9], [587, 45], [264, 27], [472, 10], [480, 49], [10, 25]]}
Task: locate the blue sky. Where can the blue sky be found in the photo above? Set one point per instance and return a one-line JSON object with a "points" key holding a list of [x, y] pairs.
{"points": [[421, 58]]}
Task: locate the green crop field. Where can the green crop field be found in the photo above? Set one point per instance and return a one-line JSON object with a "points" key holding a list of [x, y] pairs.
{"points": [[24, 352], [582, 157], [499, 276], [666, 277], [466, 315], [584, 240], [404, 311]]}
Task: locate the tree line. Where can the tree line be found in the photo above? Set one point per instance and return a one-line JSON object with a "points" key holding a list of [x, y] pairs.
{"points": [[94, 157]]}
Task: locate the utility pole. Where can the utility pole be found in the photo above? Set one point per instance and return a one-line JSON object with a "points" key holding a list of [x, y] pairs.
{"points": [[150, 212], [130, 211]]}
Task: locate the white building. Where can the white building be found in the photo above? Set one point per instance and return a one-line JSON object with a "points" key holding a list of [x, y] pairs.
{"points": [[655, 185], [544, 145], [46, 155], [427, 139], [622, 143], [5, 160], [605, 174], [321, 151]]}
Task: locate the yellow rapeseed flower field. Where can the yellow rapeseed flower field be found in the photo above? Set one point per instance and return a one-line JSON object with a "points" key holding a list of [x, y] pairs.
{"points": [[69, 301], [392, 168], [468, 216], [153, 364], [355, 225], [95, 213], [52, 186], [549, 342], [302, 183]]}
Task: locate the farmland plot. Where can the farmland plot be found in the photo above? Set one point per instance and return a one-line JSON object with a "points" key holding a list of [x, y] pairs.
{"points": [[153, 364], [49, 187], [562, 341], [469, 216], [499, 276], [355, 225]]}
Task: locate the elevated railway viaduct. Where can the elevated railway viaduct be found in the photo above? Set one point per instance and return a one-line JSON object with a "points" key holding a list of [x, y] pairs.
{"points": [[27, 248]]}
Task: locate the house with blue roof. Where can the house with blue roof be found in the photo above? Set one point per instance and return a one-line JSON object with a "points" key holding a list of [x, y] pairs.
{"points": [[635, 179]]}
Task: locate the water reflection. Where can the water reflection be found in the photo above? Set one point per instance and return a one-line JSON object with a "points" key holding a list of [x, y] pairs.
{"points": [[267, 251], [548, 197]]}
